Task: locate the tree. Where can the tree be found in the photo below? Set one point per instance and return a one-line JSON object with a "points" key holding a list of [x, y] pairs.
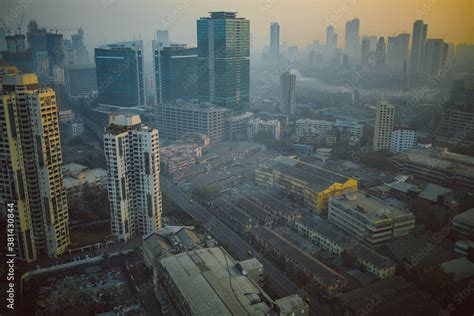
{"points": [[205, 193]]}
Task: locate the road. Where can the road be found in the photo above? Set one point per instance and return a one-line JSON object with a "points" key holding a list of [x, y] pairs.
{"points": [[238, 246]]}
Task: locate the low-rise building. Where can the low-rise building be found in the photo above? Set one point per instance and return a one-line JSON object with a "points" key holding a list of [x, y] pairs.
{"points": [[275, 206], [210, 282], [195, 138], [259, 126], [327, 279], [370, 220], [438, 166], [238, 125], [386, 297], [329, 238], [65, 116], [463, 247], [403, 139], [176, 119], [178, 157], [464, 224], [73, 128], [304, 182], [76, 176]]}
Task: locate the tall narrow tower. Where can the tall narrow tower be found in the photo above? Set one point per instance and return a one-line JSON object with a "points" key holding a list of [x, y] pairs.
{"points": [[288, 93], [418, 42], [384, 120], [224, 60], [133, 176], [275, 40], [31, 161]]}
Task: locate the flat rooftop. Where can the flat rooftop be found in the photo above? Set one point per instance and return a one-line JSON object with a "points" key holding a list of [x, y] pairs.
{"points": [[329, 276], [333, 233], [441, 160], [316, 177], [466, 217], [370, 207], [211, 284]]}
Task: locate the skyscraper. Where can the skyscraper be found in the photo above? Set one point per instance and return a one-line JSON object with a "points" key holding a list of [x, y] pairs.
{"points": [[224, 60], [120, 78], [380, 54], [365, 51], [288, 93], [331, 39], [80, 79], [158, 44], [352, 39], [434, 56], [133, 176], [384, 120], [397, 52], [47, 48], [30, 175], [177, 76], [79, 46], [418, 40], [275, 40]]}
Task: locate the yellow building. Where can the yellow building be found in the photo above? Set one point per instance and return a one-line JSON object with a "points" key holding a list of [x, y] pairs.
{"points": [[31, 160], [306, 183]]}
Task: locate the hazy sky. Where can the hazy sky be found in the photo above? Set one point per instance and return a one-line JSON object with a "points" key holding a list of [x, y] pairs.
{"points": [[301, 20]]}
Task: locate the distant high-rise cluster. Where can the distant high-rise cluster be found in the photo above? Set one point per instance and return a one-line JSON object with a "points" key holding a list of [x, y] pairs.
{"points": [[31, 167]]}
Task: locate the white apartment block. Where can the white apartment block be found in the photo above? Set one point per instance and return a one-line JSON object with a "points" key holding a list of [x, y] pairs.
{"points": [[257, 126], [403, 139], [133, 176], [305, 127], [384, 119], [368, 219]]}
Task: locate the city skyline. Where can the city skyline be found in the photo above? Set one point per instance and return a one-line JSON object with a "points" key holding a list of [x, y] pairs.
{"points": [[179, 18], [151, 164]]}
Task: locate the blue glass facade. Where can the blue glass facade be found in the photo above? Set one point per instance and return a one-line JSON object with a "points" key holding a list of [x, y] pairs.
{"points": [[120, 78], [224, 60], [177, 77]]}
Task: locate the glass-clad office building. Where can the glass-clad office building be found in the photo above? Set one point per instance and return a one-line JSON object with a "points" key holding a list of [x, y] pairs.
{"points": [[224, 60], [120, 77], [176, 77]]}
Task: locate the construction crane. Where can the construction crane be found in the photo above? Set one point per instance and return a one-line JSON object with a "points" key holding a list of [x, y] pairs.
{"points": [[7, 29], [19, 25]]}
